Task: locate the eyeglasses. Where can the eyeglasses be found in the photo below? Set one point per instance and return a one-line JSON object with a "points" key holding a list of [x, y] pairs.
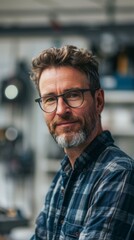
{"points": [[73, 98]]}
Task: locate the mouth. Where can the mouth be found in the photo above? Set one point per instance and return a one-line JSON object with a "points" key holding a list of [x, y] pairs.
{"points": [[66, 123]]}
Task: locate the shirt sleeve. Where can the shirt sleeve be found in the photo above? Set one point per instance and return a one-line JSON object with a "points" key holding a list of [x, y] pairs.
{"points": [[111, 212], [40, 229]]}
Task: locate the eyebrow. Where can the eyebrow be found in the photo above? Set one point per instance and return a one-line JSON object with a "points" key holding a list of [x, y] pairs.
{"points": [[66, 90]]}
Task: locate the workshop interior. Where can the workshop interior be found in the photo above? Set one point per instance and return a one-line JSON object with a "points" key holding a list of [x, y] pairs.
{"points": [[27, 162]]}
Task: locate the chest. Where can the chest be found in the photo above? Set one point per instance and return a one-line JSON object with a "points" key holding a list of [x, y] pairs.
{"points": [[71, 197]]}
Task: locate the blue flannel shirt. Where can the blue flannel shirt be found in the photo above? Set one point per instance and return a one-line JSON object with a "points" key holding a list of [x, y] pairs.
{"points": [[93, 201]]}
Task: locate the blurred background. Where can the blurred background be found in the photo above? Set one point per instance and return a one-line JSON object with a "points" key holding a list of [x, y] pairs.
{"points": [[29, 157]]}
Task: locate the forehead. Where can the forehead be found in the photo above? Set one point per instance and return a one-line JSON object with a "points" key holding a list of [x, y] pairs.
{"points": [[62, 78]]}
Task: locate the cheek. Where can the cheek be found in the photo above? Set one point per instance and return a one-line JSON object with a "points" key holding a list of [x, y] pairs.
{"points": [[89, 113], [48, 119], [86, 110]]}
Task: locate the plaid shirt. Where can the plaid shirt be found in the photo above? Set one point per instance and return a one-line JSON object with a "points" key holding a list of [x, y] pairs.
{"points": [[93, 201]]}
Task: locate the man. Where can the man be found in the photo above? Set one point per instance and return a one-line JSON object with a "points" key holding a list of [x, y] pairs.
{"points": [[92, 195]]}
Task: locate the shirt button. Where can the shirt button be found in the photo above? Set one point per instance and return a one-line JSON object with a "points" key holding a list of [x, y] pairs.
{"points": [[61, 222], [77, 234], [62, 190]]}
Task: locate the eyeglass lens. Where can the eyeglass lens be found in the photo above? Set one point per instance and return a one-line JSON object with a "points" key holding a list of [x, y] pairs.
{"points": [[71, 98]]}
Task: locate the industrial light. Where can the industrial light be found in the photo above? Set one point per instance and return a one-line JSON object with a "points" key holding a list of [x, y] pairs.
{"points": [[11, 92], [11, 133], [15, 88]]}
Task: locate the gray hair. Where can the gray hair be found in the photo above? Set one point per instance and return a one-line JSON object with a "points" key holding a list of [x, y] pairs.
{"points": [[68, 55]]}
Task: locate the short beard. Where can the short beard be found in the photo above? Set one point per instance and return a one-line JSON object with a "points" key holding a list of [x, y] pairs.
{"points": [[80, 137], [77, 139]]}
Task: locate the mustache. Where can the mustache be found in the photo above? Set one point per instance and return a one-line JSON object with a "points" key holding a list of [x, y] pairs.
{"points": [[65, 118]]}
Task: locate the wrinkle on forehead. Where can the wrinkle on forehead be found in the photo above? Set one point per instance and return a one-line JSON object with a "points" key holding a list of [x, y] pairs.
{"points": [[57, 80]]}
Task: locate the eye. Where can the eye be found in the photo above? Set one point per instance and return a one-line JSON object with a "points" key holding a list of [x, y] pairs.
{"points": [[73, 95], [48, 100]]}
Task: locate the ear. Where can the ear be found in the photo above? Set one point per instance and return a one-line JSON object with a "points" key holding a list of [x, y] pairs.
{"points": [[99, 100]]}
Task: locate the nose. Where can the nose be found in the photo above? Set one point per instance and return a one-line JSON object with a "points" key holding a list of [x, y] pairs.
{"points": [[62, 107]]}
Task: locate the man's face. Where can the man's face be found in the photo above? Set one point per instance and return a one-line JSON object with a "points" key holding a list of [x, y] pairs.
{"points": [[70, 127]]}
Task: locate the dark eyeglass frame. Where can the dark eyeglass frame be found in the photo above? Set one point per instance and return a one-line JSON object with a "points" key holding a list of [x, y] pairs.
{"points": [[83, 90]]}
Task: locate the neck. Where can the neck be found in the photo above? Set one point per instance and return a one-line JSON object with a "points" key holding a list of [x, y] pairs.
{"points": [[74, 152]]}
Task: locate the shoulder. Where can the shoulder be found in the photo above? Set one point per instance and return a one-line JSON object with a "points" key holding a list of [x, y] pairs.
{"points": [[113, 174], [113, 158], [114, 165]]}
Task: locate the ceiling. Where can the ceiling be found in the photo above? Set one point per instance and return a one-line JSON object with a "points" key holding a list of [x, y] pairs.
{"points": [[70, 12]]}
